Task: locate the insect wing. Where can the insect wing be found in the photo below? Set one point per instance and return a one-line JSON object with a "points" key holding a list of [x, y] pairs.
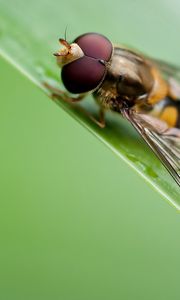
{"points": [[171, 73], [169, 69], [164, 141]]}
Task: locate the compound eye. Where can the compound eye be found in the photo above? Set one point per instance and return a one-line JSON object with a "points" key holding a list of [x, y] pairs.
{"points": [[95, 45], [83, 75]]}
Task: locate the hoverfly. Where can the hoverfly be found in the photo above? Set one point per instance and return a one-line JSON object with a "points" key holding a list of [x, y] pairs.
{"points": [[143, 90]]}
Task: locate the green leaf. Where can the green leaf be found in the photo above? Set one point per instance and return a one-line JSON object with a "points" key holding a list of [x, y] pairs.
{"points": [[29, 33]]}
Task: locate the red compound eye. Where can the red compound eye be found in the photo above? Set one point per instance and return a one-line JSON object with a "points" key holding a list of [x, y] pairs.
{"points": [[83, 74], [86, 73], [95, 45]]}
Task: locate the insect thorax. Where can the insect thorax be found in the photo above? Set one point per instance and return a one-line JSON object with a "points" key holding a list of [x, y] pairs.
{"points": [[128, 79]]}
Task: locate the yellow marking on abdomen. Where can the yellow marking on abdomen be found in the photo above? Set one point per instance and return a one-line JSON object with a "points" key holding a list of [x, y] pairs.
{"points": [[160, 89], [169, 115]]}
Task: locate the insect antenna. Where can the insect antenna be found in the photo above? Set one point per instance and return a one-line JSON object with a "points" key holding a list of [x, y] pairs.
{"points": [[64, 41], [65, 33]]}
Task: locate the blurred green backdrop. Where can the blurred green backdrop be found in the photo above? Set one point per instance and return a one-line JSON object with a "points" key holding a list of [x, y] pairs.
{"points": [[29, 32], [75, 222]]}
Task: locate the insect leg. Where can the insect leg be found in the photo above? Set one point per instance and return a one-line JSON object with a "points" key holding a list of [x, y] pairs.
{"points": [[56, 93], [59, 95], [100, 122]]}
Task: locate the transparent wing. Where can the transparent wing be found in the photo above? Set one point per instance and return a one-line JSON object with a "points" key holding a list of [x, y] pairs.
{"points": [[164, 141], [171, 73], [169, 69]]}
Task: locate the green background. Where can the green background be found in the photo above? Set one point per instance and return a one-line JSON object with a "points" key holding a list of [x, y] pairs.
{"points": [[76, 222], [29, 32]]}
